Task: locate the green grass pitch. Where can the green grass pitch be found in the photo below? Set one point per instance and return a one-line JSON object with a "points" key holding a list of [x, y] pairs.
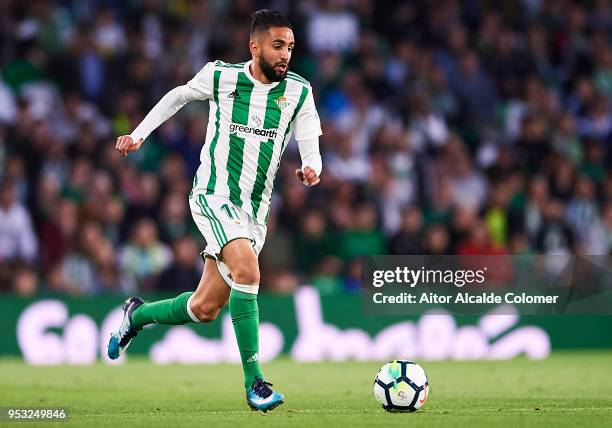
{"points": [[568, 389]]}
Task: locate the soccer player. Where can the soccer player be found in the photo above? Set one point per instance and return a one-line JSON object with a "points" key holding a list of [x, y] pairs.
{"points": [[254, 109]]}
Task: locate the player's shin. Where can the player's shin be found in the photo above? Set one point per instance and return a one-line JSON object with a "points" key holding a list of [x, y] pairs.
{"points": [[245, 318], [170, 311]]}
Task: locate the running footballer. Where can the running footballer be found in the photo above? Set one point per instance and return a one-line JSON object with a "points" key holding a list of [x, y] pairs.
{"points": [[255, 107]]}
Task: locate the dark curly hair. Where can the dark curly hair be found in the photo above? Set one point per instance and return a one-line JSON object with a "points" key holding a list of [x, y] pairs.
{"points": [[265, 19]]}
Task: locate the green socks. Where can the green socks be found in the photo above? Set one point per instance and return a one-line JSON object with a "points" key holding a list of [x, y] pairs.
{"points": [[169, 311], [245, 317]]}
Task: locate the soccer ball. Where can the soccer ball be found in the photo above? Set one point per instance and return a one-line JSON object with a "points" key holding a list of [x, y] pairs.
{"points": [[401, 386]]}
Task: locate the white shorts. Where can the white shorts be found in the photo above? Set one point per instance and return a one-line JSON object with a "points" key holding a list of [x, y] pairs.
{"points": [[220, 221]]}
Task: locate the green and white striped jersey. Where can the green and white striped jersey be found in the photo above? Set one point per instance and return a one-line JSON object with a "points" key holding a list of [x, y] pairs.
{"points": [[249, 126]]}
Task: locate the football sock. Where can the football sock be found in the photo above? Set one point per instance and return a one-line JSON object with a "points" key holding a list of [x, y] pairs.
{"points": [[245, 318], [169, 311]]}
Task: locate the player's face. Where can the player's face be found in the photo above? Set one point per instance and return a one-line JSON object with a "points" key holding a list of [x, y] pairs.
{"points": [[274, 53]]}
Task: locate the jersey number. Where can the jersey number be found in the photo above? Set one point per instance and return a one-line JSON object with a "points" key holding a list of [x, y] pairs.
{"points": [[230, 212]]}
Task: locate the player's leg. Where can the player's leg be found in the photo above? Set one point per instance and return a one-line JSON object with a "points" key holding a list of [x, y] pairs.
{"points": [[212, 290], [211, 295], [203, 305], [241, 260]]}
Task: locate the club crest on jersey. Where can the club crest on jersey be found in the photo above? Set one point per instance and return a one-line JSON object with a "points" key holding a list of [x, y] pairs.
{"points": [[281, 102]]}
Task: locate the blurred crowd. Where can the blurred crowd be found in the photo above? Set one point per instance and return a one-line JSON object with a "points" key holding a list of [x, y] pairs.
{"points": [[450, 127]]}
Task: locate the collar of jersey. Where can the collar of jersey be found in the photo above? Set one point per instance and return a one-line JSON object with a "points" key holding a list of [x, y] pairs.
{"points": [[247, 71]]}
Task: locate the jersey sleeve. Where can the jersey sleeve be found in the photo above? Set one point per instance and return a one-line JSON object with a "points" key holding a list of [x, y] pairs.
{"points": [[309, 152], [201, 85], [198, 88], [307, 122]]}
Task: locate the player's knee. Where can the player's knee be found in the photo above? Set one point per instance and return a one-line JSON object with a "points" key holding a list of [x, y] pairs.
{"points": [[246, 274], [204, 311]]}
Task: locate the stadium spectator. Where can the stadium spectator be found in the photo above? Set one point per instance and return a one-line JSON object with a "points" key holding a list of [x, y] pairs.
{"points": [[279, 265], [409, 239], [554, 236], [332, 28], [8, 107], [18, 241], [144, 256], [78, 271], [364, 236], [583, 216], [25, 281], [436, 240], [184, 272], [313, 241]]}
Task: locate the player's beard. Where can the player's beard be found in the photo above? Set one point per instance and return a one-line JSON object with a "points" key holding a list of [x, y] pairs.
{"points": [[268, 70]]}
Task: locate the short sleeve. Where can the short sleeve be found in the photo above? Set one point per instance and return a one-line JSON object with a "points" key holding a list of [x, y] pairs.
{"points": [[201, 86], [307, 122]]}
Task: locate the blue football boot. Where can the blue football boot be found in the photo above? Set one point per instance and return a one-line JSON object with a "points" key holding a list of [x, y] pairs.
{"points": [[261, 397], [120, 340]]}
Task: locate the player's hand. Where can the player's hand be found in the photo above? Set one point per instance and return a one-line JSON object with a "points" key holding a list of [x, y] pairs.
{"points": [[308, 177], [126, 144]]}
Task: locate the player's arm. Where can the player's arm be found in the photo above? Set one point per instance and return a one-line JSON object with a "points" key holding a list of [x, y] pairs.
{"points": [[311, 162], [198, 88], [307, 132]]}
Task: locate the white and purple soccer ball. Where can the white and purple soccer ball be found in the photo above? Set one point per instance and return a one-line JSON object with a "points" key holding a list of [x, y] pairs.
{"points": [[401, 386]]}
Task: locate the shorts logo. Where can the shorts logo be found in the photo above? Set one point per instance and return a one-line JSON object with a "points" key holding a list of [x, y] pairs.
{"points": [[281, 102]]}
